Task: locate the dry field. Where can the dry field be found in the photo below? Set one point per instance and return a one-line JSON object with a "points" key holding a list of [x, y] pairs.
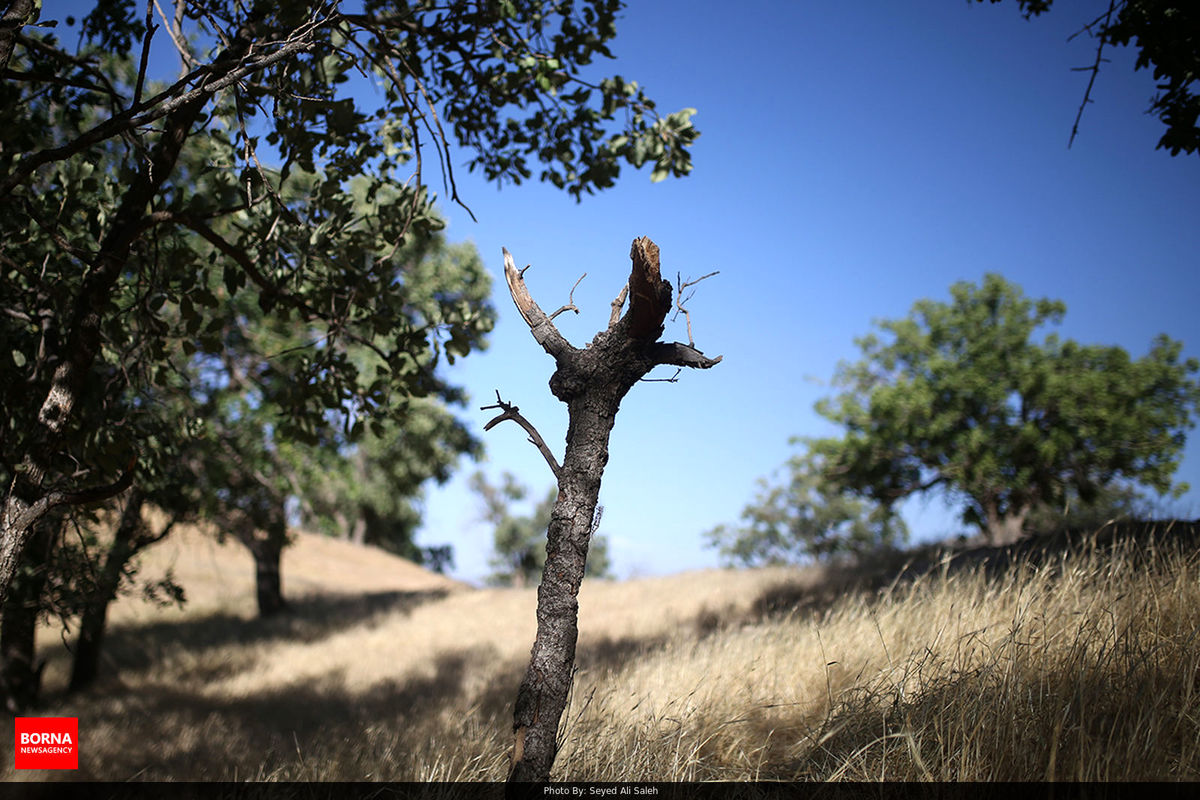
{"points": [[1080, 667]]}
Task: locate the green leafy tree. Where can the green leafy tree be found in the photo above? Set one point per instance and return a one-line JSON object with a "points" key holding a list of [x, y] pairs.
{"points": [[519, 549], [1165, 35], [806, 517], [109, 182], [961, 397]]}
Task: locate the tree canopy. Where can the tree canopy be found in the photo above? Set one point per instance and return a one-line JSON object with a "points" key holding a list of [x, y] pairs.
{"points": [[959, 396], [806, 516], [142, 222]]}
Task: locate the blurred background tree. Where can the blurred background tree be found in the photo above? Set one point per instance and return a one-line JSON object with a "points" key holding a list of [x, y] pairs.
{"points": [[959, 398], [520, 541], [806, 517]]}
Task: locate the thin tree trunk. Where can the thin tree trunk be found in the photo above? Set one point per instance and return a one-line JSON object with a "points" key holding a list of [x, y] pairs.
{"points": [[86, 665], [592, 382]]}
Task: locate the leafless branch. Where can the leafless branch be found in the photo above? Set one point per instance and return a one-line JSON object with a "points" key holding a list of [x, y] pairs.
{"points": [[543, 330], [680, 300], [1094, 68], [570, 306], [141, 76], [509, 411], [175, 31], [673, 379], [617, 302]]}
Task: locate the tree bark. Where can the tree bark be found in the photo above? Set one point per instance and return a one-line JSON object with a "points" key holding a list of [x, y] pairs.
{"points": [[20, 674], [16, 16], [592, 382]]}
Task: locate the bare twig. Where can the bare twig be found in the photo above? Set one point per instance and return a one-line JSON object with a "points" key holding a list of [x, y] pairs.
{"points": [[570, 306], [680, 300], [1095, 70], [509, 411], [617, 302], [673, 379], [175, 31]]}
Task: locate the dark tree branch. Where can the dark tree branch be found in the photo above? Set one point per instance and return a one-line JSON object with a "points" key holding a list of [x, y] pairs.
{"points": [[682, 355], [649, 294], [509, 411], [27, 516], [15, 16], [141, 76], [1095, 70]]}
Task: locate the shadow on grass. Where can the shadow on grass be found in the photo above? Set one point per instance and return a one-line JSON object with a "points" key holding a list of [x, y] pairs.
{"points": [[139, 647]]}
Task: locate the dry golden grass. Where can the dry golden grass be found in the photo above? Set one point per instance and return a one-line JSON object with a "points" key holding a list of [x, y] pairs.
{"points": [[1081, 667]]}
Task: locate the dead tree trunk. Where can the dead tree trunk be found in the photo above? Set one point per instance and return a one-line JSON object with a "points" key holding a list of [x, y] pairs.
{"points": [[592, 382]]}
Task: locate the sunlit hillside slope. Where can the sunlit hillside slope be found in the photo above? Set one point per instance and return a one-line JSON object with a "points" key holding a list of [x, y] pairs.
{"points": [[1075, 664]]}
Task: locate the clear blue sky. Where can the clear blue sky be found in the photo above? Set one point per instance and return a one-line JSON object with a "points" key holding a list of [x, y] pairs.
{"points": [[854, 157]]}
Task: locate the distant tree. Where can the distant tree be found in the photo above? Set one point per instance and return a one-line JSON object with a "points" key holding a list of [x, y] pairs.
{"points": [[806, 517], [1165, 34], [107, 181], [1113, 503], [365, 486], [960, 397], [519, 550]]}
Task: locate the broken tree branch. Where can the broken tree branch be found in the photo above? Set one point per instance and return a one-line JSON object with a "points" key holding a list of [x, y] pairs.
{"points": [[544, 332], [509, 411], [649, 294], [682, 355], [570, 306], [592, 382], [617, 302]]}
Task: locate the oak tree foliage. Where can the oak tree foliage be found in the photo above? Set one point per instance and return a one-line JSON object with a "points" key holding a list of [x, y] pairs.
{"points": [[286, 168], [960, 396]]}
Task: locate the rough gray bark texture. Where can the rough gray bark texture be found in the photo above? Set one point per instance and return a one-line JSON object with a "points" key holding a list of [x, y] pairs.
{"points": [[592, 382], [20, 673]]}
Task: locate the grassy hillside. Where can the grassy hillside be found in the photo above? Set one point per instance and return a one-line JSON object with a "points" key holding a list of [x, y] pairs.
{"points": [[1072, 665]]}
